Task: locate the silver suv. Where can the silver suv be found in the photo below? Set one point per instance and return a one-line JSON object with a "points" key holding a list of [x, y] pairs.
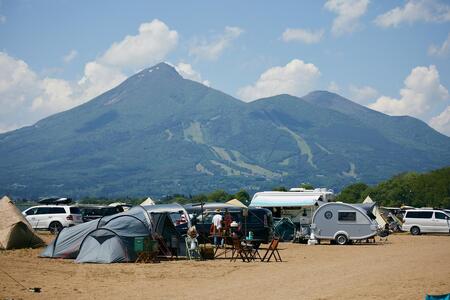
{"points": [[53, 217]]}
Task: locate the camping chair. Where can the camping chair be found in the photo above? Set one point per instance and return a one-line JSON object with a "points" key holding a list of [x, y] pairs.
{"points": [[192, 252], [273, 250], [243, 251], [163, 248]]}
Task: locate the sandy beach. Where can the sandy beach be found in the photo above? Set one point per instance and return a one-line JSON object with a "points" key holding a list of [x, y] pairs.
{"points": [[404, 267]]}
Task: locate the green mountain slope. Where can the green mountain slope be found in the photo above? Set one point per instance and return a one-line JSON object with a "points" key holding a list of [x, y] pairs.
{"points": [[157, 133]]}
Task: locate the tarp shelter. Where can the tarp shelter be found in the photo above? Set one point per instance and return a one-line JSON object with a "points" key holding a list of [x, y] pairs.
{"points": [[148, 201], [236, 202], [15, 231], [376, 212]]}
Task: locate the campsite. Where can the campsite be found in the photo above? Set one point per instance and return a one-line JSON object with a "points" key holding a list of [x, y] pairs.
{"points": [[405, 267], [99, 258]]}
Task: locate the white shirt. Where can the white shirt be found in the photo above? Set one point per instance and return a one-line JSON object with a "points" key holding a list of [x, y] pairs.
{"points": [[217, 221]]}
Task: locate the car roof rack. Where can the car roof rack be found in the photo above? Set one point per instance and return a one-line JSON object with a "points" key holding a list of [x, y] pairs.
{"points": [[55, 200]]}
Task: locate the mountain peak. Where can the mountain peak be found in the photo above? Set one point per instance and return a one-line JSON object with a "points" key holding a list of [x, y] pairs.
{"points": [[162, 69]]}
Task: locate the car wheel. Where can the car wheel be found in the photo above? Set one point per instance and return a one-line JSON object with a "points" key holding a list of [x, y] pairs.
{"points": [[55, 227], [415, 230], [341, 239]]}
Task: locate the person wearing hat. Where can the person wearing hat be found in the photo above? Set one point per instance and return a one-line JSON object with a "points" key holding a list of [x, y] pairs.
{"points": [[217, 226]]}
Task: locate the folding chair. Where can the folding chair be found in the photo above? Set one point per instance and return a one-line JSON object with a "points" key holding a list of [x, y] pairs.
{"points": [[273, 250], [244, 252], [192, 252]]}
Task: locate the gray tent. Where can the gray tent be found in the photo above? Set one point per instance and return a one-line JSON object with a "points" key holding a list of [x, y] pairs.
{"points": [[125, 226], [111, 238]]}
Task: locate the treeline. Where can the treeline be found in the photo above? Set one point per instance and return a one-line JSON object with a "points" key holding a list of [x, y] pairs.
{"points": [[419, 190], [215, 196]]}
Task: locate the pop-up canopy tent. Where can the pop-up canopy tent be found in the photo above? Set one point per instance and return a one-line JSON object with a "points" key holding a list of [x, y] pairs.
{"points": [[111, 238], [236, 202], [15, 231], [148, 201]]}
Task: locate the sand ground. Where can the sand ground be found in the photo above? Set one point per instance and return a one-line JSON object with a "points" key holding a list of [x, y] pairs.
{"points": [[405, 267]]}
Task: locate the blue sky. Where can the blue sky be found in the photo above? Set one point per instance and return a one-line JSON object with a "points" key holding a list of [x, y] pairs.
{"points": [[393, 56]]}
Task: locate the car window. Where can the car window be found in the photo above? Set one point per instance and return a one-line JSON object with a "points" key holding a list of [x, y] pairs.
{"points": [[419, 214], [42, 210], [75, 211], [439, 215], [347, 216], [31, 211], [57, 210]]}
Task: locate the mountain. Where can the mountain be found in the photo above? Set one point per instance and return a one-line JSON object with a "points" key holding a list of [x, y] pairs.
{"points": [[157, 134]]}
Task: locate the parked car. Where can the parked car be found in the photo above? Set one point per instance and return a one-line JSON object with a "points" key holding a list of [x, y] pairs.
{"points": [[90, 213], [53, 217], [419, 221], [259, 220]]}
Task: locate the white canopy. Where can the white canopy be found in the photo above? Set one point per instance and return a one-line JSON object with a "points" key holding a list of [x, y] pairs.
{"points": [[376, 212], [148, 201]]}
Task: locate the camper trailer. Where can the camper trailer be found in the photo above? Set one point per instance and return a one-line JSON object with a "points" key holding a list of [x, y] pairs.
{"points": [[342, 222], [298, 204]]}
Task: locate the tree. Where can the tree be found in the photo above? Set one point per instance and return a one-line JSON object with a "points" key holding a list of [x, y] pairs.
{"points": [[279, 189], [352, 193], [242, 196], [307, 186]]}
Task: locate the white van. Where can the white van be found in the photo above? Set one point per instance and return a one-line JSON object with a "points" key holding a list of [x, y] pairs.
{"points": [[419, 221]]}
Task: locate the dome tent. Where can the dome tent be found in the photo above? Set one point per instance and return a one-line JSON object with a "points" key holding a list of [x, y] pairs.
{"points": [[15, 231], [112, 238], [126, 225]]}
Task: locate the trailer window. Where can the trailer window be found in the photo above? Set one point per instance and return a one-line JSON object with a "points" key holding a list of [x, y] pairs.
{"points": [[347, 216]]}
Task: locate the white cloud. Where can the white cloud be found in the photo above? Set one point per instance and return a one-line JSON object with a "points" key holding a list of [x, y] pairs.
{"points": [[2, 19], [26, 97], [186, 71], [70, 56], [334, 87], [442, 50], [153, 42], [56, 96], [422, 92], [295, 78], [414, 11], [306, 36], [362, 95], [348, 14], [98, 78], [442, 122], [213, 49]]}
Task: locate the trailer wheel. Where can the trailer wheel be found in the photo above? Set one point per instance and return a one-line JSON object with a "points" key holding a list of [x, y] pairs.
{"points": [[415, 230], [341, 239]]}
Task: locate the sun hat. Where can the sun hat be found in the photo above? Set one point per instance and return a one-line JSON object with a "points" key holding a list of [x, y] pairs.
{"points": [[234, 224], [217, 210]]}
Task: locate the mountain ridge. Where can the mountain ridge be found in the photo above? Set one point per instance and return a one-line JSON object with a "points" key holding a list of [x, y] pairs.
{"points": [[157, 133]]}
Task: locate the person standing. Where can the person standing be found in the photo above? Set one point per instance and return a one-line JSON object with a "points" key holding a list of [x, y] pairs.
{"points": [[217, 225]]}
